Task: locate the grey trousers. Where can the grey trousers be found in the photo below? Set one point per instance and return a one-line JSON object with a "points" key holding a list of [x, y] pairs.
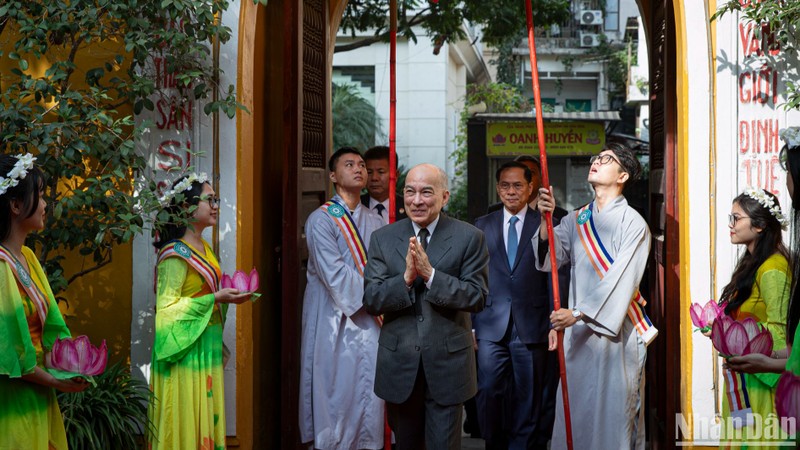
{"points": [[420, 423]]}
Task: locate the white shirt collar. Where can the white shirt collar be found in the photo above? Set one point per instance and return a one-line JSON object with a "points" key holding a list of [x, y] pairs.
{"points": [[373, 202], [520, 215], [431, 227]]}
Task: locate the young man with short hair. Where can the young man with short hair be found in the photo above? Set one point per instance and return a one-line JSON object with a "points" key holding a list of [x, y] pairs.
{"points": [[606, 243], [338, 408]]}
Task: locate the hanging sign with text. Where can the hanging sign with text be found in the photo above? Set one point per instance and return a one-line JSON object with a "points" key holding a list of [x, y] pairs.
{"points": [[561, 138]]}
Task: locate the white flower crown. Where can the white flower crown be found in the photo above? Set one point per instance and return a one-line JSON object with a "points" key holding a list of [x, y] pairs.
{"points": [[767, 202], [183, 186], [18, 172], [791, 136]]}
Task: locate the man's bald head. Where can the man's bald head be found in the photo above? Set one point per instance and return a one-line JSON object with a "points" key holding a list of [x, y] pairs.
{"points": [[425, 193]]}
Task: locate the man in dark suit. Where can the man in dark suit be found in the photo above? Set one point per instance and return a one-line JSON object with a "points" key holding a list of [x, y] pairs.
{"points": [[426, 274], [377, 196], [517, 376], [532, 163]]}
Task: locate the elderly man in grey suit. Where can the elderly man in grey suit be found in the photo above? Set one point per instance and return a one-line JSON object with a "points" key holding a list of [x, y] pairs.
{"points": [[425, 275]]}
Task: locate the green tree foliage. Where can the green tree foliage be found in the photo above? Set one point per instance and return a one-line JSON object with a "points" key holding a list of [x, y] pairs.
{"points": [[499, 98], [355, 121], [617, 58], [443, 20], [781, 20], [79, 68]]}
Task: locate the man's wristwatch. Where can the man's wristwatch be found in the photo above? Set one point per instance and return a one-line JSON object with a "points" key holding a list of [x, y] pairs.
{"points": [[576, 314]]}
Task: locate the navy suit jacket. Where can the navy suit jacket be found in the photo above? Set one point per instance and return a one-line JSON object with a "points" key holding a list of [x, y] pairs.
{"points": [[520, 293]]}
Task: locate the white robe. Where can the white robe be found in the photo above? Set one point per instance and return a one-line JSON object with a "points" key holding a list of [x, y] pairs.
{"points": [[604, 355], [339, 348]]}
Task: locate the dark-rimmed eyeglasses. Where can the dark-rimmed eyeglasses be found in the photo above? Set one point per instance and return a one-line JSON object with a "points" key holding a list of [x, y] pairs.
{"points": [[603, 159], [212, 201], [733, 218]]}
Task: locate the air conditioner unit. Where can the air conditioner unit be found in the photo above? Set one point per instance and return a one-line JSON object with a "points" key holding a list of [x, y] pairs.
{"points": [[590, 39], [591, 17]]}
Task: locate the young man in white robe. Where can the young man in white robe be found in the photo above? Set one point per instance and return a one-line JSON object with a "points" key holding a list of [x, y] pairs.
{"points": [[606, 244], [339, 347]]}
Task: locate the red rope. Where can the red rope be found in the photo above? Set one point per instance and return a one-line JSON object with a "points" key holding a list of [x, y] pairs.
{"points": [[548, 217]]}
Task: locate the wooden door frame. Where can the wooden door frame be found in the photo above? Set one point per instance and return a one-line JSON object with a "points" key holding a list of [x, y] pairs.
{"points": [[664, 364]]}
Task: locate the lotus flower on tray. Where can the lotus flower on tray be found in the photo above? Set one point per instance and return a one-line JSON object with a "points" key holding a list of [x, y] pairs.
{"points": [[732, 338], [243, 282], [703, 316], [77, 355], [787, 398]]}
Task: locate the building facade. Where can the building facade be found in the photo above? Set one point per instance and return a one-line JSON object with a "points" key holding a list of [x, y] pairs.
{"points": [[431, 85], [715, 111]]}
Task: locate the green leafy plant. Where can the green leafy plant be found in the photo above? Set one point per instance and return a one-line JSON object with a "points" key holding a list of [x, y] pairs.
{"points": [[109, 416], [77, 71], [356, 123]]}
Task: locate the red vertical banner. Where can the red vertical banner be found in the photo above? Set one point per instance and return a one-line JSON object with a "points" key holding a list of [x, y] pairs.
{"points": [[392, 110], [548, 217], [387, 431]]}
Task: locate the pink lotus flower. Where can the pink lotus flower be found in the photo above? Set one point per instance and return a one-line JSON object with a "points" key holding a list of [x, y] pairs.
{"points": [[77, 355], [732, 338], [703, 316], [787, 399], [241, 281]]}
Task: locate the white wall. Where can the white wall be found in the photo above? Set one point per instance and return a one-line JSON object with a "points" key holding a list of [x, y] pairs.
{"points": [[717, 148], [699, 224], [456, 90]]}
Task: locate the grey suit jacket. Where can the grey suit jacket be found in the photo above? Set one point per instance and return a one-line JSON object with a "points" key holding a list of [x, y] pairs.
{"points": [[440, 336]]}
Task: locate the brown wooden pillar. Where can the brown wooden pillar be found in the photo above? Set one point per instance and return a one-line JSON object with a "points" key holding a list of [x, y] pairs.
{"points": [[305, 92], [664, 356]]}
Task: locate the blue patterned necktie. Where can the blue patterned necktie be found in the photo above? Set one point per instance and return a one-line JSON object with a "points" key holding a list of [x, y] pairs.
{"points": [[380, 208], [513, 241]]}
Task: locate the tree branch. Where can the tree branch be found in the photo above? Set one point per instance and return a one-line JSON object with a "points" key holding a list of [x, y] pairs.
{"points": [[418, 19], [366, 42], [91, 269]]}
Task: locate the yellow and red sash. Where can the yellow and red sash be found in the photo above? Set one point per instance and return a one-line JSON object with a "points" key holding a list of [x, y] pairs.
{"points": [[350, 232], [352, 237], [358, 251], [36, 295], [601, 261], [209, 271]]}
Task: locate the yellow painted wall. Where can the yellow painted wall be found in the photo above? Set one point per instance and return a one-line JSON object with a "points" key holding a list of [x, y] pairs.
{"points": [[100, 302]]}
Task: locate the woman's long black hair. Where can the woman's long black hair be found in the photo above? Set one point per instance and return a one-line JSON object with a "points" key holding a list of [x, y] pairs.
{"points": [[175, 226], [27, 190], [768, 242], [791, 156]]}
